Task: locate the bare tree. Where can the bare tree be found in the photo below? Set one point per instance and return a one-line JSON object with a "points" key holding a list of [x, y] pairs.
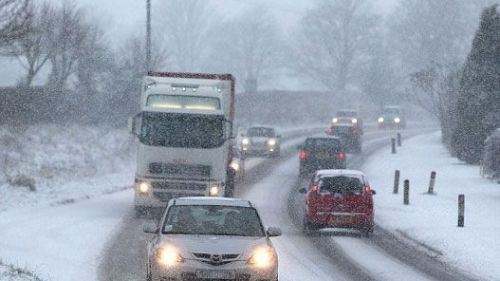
{"points": [[14, 17], [65, 41], [426, 31], [123, 86], [435, 89], [32, 50], [249, 46], [331, 38], [185, 25]]}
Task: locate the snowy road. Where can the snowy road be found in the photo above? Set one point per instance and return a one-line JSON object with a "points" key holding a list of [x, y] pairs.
{"points": [[343, 256]]}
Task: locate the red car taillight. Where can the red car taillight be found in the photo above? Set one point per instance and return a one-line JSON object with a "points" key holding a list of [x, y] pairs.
{"points": [[368, 189], [341, 156], [303, 155], [330, 131]]}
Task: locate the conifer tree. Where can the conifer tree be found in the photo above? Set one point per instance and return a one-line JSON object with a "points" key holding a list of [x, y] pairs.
{"points": [[478, 108]]}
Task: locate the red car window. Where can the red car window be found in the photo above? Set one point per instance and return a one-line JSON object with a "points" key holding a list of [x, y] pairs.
{"points": [[341, 185]]}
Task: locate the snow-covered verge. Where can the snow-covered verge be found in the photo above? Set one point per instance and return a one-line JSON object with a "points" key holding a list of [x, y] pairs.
{"points": [[11, 273], [431, 220], [47, 164]]}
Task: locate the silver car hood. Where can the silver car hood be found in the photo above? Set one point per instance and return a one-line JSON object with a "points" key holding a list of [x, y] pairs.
{"points": [[214, 245]]}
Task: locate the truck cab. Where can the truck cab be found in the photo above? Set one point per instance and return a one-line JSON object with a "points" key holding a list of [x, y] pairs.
{"points": [[185, 138]]}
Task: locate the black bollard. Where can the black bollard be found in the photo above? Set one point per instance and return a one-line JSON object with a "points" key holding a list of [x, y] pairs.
{"points": [[406, 200], [396, 181], [393, 145], [461, 210], [399, 139], [432, 182]]}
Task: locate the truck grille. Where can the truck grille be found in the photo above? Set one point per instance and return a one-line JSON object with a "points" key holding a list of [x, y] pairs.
{"points": [[180, 186], [180, 170]]}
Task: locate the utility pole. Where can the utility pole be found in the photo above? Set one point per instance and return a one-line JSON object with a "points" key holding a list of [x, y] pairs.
{"points": [[148, 35]]}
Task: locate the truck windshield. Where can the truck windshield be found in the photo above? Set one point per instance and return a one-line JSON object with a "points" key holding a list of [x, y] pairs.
{"points": [[182, 130]]}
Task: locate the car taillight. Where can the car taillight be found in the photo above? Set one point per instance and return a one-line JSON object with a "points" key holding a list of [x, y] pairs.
{"points": [[303, 155], [315, 187], [354, 131], [330, 130], [368, 189], [341, 156]]}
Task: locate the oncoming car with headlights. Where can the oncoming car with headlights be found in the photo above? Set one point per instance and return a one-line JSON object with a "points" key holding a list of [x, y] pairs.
{"points": [[392, 117], [206, 238], [348, 116], [261, 140]]}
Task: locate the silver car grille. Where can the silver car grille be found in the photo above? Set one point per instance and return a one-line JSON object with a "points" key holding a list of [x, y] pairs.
{"points": [[214, 259]]}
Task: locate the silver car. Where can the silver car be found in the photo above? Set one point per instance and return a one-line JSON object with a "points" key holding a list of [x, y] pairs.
{"points": [[208, 238]]}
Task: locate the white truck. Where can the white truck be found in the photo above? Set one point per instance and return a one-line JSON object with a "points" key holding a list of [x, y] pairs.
{"points": [[185, 138]]}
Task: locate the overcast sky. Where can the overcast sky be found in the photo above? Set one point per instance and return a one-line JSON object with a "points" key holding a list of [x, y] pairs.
{"points": [[122, 17], [125, 16]]}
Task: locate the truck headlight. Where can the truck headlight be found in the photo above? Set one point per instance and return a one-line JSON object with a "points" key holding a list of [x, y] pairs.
{"points": [[214, 190], [245, 141], [381, 119], [397, 120], [235, 165], [354, 121], [271, 142], [168, 256], [144, 187], [262, 257], [335, 120]]}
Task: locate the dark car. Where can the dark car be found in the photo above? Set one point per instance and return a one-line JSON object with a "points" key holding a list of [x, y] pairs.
{"points": [[340, 199], [261, 141], [392, 117], [321, 153], [349, 136]]}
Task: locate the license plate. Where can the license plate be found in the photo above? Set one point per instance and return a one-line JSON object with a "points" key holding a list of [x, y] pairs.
{"points": [[216, 274], [340, 219], [322, 155]]}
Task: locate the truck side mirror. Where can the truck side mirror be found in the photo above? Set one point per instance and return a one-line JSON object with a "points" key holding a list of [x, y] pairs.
{"points": [[134, 124]]}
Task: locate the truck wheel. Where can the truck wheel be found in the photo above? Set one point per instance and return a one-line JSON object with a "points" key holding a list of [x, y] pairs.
{"points": [[140, 212]]}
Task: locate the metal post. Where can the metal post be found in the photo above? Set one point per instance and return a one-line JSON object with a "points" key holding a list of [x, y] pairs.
{"points": [[432, 182], [148, 36], [396, 181], [399, 138], [242, 169], [393, 145], [406, 200], [461, 210]]}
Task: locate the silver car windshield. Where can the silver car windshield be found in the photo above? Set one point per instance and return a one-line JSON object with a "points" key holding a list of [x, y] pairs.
{"points": [[213, 220]]}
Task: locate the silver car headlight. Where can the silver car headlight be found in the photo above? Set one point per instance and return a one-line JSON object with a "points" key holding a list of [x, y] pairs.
{"points": [[262, 257], [397, 120], [143, 187], [381, 119], [245, 141], [168, 256], [271, 142]]}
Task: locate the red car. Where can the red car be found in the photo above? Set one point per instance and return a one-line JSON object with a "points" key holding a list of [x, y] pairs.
{"points": [[341, 199]]}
